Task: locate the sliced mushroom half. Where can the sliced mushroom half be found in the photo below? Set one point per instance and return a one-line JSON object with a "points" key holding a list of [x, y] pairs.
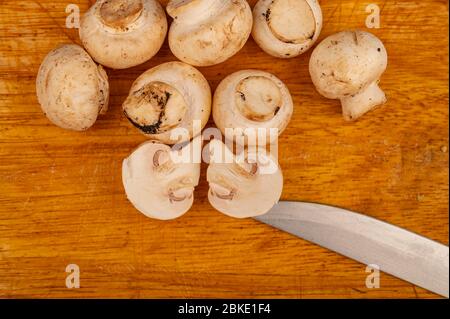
{"points": [[208, 32], [248, 186], [348, 66], [123, 33], [72, 90], [253, 100], [168, 97], [287, 28], [158, 186]]}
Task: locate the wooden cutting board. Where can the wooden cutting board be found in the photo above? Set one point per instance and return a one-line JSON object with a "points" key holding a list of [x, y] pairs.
{"points": [[62, 200]]}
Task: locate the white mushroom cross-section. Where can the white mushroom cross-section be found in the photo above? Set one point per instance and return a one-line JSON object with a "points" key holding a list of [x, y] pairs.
{"points": [[156, 184], [246, 185]]}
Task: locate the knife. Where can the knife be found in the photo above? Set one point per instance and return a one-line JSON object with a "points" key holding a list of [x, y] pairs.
{"points": [[394, 250]]}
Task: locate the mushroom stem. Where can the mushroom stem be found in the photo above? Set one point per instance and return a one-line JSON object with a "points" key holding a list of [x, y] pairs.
{"points": [[121, 13], [357, 105]]}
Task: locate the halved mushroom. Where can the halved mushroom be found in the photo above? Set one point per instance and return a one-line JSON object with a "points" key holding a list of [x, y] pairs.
{"points": [[168, 97], [348, 66], [158, 186], [208, 32], [286, 28], [72, 90], [248, 186], [252, 99], [123, 33]]}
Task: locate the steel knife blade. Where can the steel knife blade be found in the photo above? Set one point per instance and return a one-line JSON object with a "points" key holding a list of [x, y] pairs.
{"points": [[396, 251]]}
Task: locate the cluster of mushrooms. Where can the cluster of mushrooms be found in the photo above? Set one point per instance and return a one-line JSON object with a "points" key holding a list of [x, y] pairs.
{"points": [[73, 90]]}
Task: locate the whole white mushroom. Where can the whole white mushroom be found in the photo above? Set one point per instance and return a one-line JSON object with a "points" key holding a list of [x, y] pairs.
{"points": [[287, 28], [123, 33], [348, 66], [253, 100], [71, 89], [208, 32], [168, 97]]}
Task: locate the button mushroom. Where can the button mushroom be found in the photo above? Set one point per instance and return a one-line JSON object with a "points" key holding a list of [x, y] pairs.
{"points": [[247, 186], [286, 28], [208, 32], [252, 99], [348, 66], [169, 97], [158, 186], [71, 89], [123, 33]]}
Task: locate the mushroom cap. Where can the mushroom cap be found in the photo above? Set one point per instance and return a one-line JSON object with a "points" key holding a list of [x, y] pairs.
{"points": [[346, 63], [240, 189], [168, 97], [71, 89], [287, 28], [155, 185], [208, 32], [123, 33], [252, 99]]}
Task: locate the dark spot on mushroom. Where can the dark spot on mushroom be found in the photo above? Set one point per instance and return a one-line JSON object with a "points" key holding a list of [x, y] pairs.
{"points": [[379, 49], [355, 38], [277, 110], [242, 96], [168, 95], [161, 98], [147, 129], [267, 14]]}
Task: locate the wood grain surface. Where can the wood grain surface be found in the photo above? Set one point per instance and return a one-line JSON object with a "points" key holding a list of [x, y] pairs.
{"points": [[62, 200]]}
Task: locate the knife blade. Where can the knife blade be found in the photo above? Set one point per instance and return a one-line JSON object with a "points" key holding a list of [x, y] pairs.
{"points": [[396, 251]]}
